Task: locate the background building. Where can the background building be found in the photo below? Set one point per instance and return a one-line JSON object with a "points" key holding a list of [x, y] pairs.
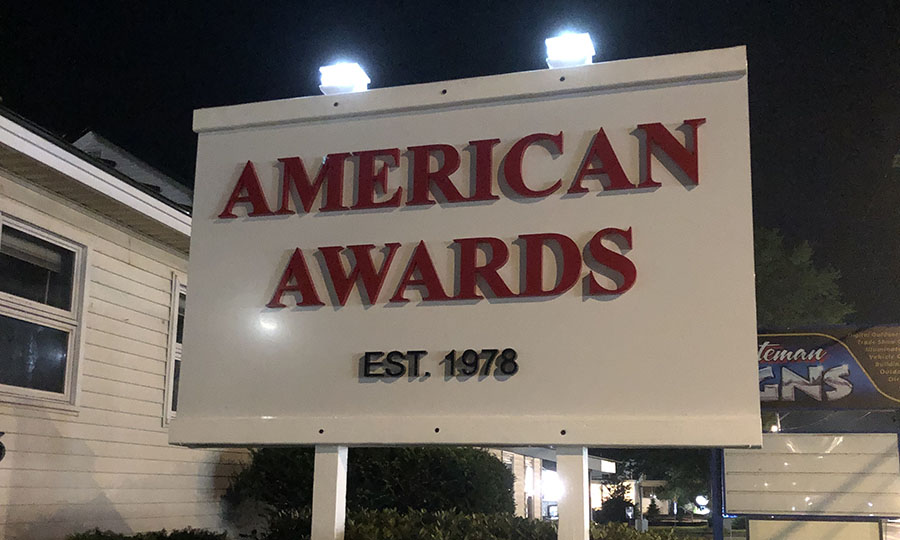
{"points": [[92, 266]]}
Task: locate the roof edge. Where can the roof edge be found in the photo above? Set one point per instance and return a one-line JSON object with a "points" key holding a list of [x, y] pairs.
{"points": [[41, 145], [618, 74]]}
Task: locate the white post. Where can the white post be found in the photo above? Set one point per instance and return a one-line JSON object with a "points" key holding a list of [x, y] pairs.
{"points": [[329, 504], [575, 507]]}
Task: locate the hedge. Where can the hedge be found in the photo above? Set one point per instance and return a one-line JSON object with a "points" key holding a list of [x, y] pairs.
{"points": [[446, 525], [433, 478], [179, 534], [414, 525]]}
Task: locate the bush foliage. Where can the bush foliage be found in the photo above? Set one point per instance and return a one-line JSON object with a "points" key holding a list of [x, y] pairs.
{"points": [[412, 525], [613, 509], [180, 534], [653, 511], [422, 478], [444, 525], [621, 531]]}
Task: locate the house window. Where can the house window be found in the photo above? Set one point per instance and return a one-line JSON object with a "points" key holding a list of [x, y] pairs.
{"points": [[179, 301], [40, 283]]}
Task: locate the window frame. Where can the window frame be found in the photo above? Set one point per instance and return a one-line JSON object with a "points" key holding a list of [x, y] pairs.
{"points": [[69, 321], [179, 287]]}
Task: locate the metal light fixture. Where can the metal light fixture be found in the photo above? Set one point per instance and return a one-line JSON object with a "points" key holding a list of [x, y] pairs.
{"points": [[342, 78], [570, 50]]}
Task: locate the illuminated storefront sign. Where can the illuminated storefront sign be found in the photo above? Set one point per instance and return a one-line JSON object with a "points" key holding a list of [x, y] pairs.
{"points": [[836, 367], [500, 260]]}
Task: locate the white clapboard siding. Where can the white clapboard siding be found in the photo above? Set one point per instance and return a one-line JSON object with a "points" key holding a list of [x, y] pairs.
{"points": [[146, 258], [103, 509], [52, 530], [73, 434], [130, 301], [132, 272], [128, 345], [80, 495], [77, 428], [95, 480], [100, 402], [124, 375], [37, 461], [79, 447], [115, 281], [116, 389], [112, 357], [128, 315], [127, 330], [107, 462], [815, 474]]}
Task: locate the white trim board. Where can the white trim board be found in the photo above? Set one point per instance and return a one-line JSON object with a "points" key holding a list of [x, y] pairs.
{"points": [[33, 145], [620, 74]]}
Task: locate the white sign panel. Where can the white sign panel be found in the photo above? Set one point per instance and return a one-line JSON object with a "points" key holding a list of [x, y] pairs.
{"points": [[847, 474], [552, 257], [814, 530]]}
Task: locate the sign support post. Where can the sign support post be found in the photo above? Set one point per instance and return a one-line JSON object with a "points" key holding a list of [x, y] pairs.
{"points": [[329, 504], [575, 507], [717, 491]]}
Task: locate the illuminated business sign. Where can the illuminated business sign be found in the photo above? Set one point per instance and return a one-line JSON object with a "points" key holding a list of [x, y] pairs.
{"points": [[831, 368], [504, 260]]}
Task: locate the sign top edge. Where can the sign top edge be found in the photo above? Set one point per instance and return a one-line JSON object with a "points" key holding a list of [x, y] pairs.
{"points": [[637, 72]]}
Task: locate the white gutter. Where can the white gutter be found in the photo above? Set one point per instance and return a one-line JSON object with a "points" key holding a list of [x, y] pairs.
{"points": [[33, 145]]}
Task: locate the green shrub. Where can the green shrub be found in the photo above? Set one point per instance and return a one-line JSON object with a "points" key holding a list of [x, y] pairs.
{"points": [[418, 478], [420, 525], [621, 531], [444, 525], [179, 534], [614, 507], [416, 525], [653, 511]]}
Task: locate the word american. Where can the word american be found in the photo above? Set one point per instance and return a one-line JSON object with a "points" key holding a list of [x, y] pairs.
{"points": [[371, 182]]}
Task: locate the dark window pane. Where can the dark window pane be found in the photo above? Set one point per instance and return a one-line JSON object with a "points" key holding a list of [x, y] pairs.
{"points": [[35, 269], [179, 333], [175, 385], [32, 356]]}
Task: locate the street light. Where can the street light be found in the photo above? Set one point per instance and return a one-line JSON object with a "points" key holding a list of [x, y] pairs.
{"points": [[342, 78], [570, 50]]}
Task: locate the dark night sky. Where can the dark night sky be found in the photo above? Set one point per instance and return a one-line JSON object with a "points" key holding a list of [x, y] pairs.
{"points": [[824, 85]]}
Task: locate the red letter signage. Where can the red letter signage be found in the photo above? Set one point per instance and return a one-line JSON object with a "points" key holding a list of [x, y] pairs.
{"points": [[613, 261], [601, 151], [568, 268], [370, 179], [298, 272], [363, 268], [657, 136], [423, 177], [331, 173], [512, 168], [249, 183]]}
